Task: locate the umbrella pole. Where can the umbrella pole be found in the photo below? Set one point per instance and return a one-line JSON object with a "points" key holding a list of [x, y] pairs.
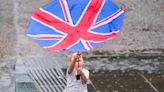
{"points": [[78, 63], [78, 76], [78, 59]]}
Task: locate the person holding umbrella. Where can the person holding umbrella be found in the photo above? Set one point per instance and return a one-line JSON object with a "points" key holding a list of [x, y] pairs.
{"points": [[77, 77], [75, 26]]}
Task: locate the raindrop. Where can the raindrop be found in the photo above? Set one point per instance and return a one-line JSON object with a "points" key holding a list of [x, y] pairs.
{"points": [[156, 59], [135, 90], [122, 86], [115, 76], [115, 91], [101, 82], [150, 72]]}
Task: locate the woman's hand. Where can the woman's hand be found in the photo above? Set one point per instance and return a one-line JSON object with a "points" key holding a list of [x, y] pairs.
{"points": [[79, 71], [76, 56]]}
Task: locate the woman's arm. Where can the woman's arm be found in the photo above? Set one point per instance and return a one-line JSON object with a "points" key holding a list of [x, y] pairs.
{"points": [[71, 65], [84, 78], [72, 62]]}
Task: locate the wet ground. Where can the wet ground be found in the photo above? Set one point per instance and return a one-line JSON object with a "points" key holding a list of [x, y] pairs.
{"points": [[129, 81], [128, 74]]}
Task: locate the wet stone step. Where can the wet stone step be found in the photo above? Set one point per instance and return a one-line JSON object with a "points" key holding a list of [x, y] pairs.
{"points": [[25, 87]]}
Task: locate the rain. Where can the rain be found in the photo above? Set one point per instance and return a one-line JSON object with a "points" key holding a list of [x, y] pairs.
{"points": [[132, 62]]}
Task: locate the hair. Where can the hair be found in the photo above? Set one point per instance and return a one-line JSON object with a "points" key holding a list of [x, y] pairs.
{"points": [[86, 64], [69, 58]]}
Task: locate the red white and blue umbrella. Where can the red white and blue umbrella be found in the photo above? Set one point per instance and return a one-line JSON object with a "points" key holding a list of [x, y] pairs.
{"points": [[75, 25]]}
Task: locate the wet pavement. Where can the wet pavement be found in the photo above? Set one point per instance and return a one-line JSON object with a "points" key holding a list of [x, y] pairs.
{"points": [[129, 81], [127, 74]]}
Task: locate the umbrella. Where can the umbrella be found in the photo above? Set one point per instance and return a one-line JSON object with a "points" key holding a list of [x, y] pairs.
{"points": [[75, 25]]}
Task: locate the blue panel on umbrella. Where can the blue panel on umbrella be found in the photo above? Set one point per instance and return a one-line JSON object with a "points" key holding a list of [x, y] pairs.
{"points": [[108, 9], [95, 44], [38, 28], [78, 47], [116, 24], [55, 8], [45, 43], [74, 6], [112, 26]]}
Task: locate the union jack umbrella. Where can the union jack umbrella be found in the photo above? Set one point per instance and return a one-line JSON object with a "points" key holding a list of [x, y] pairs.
{"points": [[75, 25]]}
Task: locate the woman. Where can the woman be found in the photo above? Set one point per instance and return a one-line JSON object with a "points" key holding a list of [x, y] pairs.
{"points": [[77, 77]]}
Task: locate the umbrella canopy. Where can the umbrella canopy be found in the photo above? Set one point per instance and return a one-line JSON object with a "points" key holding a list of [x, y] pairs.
{"points": [[75, 25]]}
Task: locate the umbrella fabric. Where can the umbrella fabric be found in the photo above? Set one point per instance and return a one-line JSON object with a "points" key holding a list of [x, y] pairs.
{"points": [[75, 25]]}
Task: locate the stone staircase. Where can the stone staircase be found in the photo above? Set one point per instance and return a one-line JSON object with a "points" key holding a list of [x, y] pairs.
{"points": [[39, 75]]}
